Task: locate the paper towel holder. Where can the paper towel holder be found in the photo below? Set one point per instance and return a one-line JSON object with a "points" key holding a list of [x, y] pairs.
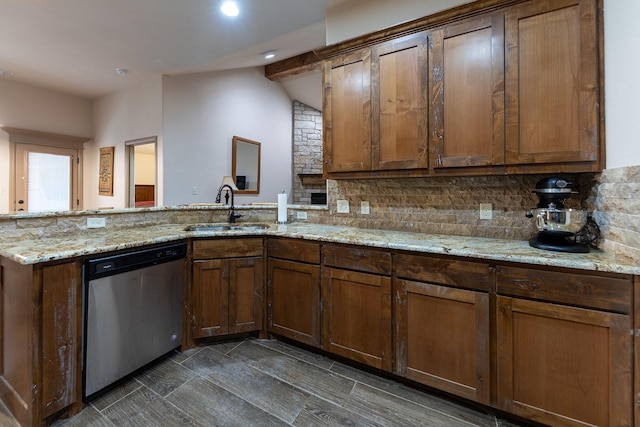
{"points": [[282, 208]]}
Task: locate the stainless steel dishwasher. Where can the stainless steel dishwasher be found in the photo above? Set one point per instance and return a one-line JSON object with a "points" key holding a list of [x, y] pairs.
{"points": [[133, 311]]}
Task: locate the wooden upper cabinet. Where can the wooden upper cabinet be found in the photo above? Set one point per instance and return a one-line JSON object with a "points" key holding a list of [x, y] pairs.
{"points": [[511, 90], [552, 84], [467, 78], [399, 82], [347, 113]]}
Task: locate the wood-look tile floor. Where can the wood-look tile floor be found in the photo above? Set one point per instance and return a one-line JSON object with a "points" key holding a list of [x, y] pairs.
{"points": [[255, 382]]}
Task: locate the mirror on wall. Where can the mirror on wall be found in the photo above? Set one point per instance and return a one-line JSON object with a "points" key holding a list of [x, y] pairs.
{"points": [[245, 165]]}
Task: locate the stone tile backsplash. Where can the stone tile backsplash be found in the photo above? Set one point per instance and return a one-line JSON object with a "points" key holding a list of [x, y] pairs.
{"points": [[615, 201], [443, 205]]}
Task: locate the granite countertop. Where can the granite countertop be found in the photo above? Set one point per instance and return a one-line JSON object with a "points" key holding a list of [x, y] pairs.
{"points": [[92, 242]]}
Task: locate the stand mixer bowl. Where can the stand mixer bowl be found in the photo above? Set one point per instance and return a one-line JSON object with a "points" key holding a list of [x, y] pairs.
{"points": [[564, 222]]}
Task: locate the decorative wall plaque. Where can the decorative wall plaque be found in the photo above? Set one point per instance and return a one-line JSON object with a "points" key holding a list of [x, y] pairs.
{"points": [[105, 179]]}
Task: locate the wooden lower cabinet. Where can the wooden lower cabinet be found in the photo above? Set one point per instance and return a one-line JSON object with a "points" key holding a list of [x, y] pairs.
{"points": [[293, 289], [41, 344], [226, 291], [442, 338], [442, 324], [562, 365], [356, 304], [356, 316], [559, 364], [293, 292]]}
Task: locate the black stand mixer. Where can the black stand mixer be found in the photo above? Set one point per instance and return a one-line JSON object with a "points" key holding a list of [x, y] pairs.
{"points": [[559, 229]]}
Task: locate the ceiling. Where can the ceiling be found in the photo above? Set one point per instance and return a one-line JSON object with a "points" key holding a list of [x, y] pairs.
{"points": [[75, 46]]}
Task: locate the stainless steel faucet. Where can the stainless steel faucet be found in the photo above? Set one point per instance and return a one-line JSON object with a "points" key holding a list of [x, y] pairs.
{"points": [[232, 214]]}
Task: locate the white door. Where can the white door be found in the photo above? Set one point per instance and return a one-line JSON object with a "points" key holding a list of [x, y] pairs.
{"points": [[45, 178]]}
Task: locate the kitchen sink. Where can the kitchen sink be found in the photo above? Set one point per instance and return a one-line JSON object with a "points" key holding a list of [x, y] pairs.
{"points": [[226, 227]]}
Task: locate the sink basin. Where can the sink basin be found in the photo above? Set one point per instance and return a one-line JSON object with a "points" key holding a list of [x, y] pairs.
{"points": [[207, 228], [249, 227], [226, 227]]}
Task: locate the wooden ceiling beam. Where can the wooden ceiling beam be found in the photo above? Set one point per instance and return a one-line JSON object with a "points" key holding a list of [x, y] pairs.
{"points": [[303, 63], [312, 60]]}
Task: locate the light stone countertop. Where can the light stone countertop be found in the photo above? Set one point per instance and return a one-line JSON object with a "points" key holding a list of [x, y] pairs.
{"points": [[96, 241]]}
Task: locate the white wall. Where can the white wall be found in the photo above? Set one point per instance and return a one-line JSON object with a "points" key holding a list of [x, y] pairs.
{"points": [[122, 116], [622, 92], [202, 113], [622, 66], [29, 107]]}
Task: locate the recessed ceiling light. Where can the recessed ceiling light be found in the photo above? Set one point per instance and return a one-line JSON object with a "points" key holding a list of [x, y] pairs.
{"points": [[230, 8], [5, 73], [269, 54], [121, 71]]}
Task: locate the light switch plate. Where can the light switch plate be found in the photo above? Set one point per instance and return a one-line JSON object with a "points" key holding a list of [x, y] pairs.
{"points": [[343, 206], [365, 207], [96, 222], [486, 211]]}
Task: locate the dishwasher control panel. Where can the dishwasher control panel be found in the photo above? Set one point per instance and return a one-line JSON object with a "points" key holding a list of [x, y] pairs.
{"points": [[133, 259]]}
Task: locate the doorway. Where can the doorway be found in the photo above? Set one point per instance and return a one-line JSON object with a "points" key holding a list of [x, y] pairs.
{"points": [[142, 188], [46, 171]]}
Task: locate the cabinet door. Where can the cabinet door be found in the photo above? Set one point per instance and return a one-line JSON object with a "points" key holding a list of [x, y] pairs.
{"points": [[210, 298], [61, 337], [245, 294], [356, 316], [294, 300], [552, 83], [467, 75], [347, 113], [399, 103], [442, 338], [562, 365]]}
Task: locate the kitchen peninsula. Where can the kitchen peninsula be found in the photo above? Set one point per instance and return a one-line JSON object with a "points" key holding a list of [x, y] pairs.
{"points": [[485, 292]]}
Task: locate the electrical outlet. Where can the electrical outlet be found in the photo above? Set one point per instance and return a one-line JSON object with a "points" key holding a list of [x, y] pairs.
{"points": [[301, 215], [486, 211], [96, 222], [343, 206], [365, 207]]}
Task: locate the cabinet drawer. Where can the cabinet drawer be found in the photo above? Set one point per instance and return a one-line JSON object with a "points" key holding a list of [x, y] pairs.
{"points": [[606, 292], [227, 248], [358, 259], [444, 271], [294, 249]]}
